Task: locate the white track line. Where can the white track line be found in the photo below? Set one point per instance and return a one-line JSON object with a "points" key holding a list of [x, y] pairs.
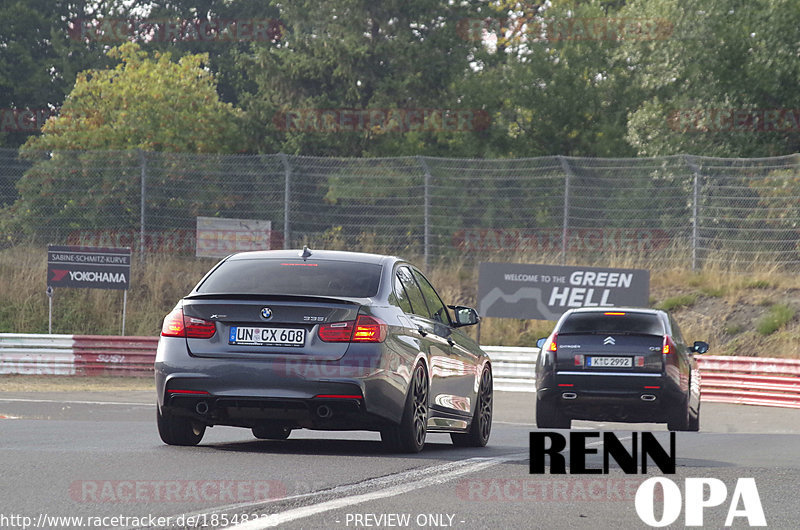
{"points": [[439, 474], [20, 400]]}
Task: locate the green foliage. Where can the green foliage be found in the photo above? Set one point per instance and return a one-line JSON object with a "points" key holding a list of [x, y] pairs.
{"points": [[714, 291], [146, 103], [149, 103], [38, 59], [757, 284], [722, 56], [779, 315], [734, 329], [347, 54], [684, 300]]}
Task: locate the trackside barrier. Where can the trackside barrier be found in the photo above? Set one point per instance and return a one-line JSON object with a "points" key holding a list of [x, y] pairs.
{"points": [[750, 380], [33, 354], [742, 380], [513, 367], [107, 355]]}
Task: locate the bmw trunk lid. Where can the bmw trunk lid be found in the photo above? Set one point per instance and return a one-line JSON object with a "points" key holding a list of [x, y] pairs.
{"points": [[266, 327]]}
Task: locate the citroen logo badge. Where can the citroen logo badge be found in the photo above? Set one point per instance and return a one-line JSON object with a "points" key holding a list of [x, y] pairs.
{"points": [[609, 340], [266, 313]]}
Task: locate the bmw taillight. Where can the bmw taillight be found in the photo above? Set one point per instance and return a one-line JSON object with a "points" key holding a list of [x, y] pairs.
{"points": [[176, 324], [337, 331], [364, 329], [668, 346]]}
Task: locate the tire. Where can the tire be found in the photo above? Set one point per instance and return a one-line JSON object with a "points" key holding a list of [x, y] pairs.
{"points": [[681, 420], [409, 436], [176, 430], [481, 426], [694, 421], [271, 432], [549, 416]]}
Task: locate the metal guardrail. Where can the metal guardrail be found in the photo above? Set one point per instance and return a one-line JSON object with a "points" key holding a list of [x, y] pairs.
{"points": [[750, 380], [108, 355], [742, 380], [33, 354], [513, 367]]}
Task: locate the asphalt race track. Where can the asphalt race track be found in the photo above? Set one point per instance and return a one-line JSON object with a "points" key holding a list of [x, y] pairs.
{"points": [[98, 456]]}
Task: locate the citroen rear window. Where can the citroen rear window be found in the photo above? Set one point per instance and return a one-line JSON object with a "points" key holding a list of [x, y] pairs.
{"points": [[293, 277], [613, 322]]}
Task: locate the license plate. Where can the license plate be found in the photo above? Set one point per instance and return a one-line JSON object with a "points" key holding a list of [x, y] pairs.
{"points": [[609, 362], [267, 336]]}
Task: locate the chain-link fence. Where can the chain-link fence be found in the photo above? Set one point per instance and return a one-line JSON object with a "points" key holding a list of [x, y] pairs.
{"points": [[677, 210]]}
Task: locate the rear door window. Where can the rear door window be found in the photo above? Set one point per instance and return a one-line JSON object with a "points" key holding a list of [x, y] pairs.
{"points": [[634, 323], [401, 296], [435, 306], [415, 297]]}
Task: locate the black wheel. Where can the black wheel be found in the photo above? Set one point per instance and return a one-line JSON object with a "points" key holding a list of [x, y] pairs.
{"points": [[681, 418], [694, 421], [272, 432], [481, 426], [175, 430], [548, 416], [409, 436]]}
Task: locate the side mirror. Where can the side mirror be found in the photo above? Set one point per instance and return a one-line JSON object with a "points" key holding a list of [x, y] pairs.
{"points": [[540, 342], [700, 347], [465, 316]]}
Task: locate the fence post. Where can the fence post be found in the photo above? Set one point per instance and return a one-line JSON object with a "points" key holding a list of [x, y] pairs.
{"points": [[143, 202], [695, 208], [287, 170], [565, 229], [427, 211]]}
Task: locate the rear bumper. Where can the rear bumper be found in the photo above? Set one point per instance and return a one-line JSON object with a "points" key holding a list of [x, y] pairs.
{"points": [[367, 383], [607, 397], [316, 413]]}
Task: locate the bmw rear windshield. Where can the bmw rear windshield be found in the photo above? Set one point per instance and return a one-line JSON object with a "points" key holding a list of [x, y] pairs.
{"points": [[293, 277], [613, 322]]}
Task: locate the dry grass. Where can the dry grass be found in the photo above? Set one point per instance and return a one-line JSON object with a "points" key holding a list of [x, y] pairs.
{"points": [[66, 383], [720, 304]]}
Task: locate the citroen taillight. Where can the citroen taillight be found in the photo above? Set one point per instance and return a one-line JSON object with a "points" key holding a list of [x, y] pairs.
{"points": [[669, 346]]}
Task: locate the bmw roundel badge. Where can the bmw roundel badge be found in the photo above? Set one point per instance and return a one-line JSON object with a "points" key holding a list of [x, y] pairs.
{"points": [[266, 313]]}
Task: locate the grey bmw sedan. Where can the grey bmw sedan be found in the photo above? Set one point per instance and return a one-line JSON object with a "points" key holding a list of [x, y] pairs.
{"points": [[275, 341]]}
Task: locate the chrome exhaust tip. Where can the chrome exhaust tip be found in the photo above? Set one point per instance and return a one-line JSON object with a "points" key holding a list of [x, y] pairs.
{"points": [[569, 395], [648, 397]]}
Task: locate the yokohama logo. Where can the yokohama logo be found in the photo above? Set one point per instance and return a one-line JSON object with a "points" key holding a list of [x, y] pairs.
{"points": [[91, 276]]}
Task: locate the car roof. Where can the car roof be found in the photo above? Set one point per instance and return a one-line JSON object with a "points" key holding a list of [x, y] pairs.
{"points": [[318, 255], [645, 310]]}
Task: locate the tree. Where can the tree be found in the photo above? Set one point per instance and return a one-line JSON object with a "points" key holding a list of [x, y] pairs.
{"points": [[551, 80], [352, 55], [86, 174], [39, 59], [723, 84], [147, 103]]}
